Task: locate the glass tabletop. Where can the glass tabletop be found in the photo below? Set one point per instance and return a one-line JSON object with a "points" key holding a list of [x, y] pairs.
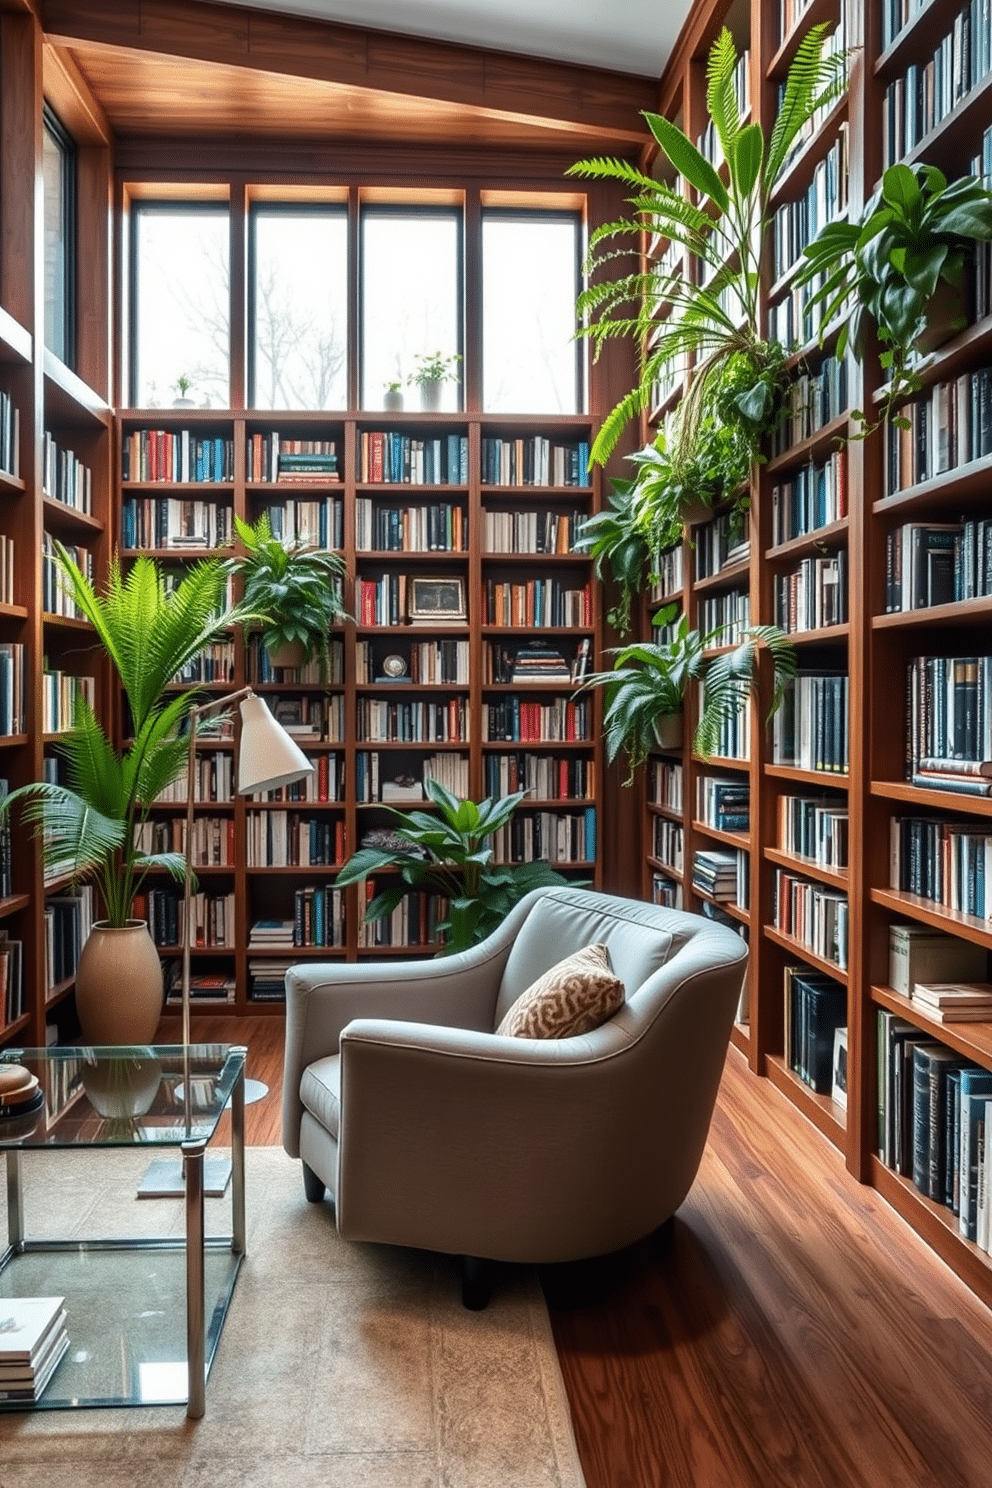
{"points": [[149, 1095]]}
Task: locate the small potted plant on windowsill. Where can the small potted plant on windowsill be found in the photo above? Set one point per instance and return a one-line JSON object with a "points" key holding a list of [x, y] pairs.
{"points": [[298, 590], [433, 370], [392, 398], [182, 386]]}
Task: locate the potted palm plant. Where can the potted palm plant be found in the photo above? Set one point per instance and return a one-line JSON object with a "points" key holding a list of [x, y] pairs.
{"points": [[449, 852], [90, 827], [900, 268], [297, 588], [647, 685], [721, 220], [432, 371]]}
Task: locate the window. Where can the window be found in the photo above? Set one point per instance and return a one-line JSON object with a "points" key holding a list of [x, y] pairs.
{"points": [[298, 309], [531, 275], [59, 168], [411, 296], [180, 303]]}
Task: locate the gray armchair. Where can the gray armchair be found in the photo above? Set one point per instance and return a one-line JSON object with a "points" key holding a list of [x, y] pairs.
{"points": [[430, 1130]]}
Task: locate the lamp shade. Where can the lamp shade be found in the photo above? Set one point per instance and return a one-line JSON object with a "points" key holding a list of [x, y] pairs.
{"points": [[268, 756]]}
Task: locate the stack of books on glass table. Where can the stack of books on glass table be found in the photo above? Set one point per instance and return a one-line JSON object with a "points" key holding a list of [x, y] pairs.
{"points": [[32, 1342]]}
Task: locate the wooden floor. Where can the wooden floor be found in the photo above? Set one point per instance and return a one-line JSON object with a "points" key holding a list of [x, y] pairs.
{"points": [[795, 1332]]}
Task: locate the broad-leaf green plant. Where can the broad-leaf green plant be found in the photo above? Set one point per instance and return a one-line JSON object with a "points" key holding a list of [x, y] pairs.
{"points": [[297, 588], [449, 852], [916, 234], [150, 631], [721, 219], [649, 681]]}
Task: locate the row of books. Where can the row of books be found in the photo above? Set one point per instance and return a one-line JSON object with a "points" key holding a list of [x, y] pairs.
{"points": [[212, 922], [538, 661], [213, 780], [390, 457], [718, 544], [212, 845], [59, 694], [276, 457], [723, 874], [519, 720], [445, 660], [896, 14], [545, 777], [315, 671], [926, 93], [530, 531], [666, 892], [387, 600], [317, 522], [934, 1115], [813, 399], [311, 716], [949, 722], [437, 527], [812, 914], [68, 921], [948, 862], [728, 613], [815, 1009], [10, 436], [215, 985], [11, 688], [810, 730], [666, 784], [413, 922], [6, 876], [412, 720], [813, 497], [668, 843], [450, 769], [948, 426], [181, 457], [285, 839], [536, 603], [171, 522], [931, 563], [733, 739], [64, 476], [669, 571], [724, 804], [553, 836], [11, 979], [796, 223], [324, 783], [813, 595], [815, 827], [534, 461], [56, 596]]}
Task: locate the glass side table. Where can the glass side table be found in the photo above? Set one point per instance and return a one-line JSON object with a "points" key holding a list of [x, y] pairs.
{"points": [[124, 1295]]}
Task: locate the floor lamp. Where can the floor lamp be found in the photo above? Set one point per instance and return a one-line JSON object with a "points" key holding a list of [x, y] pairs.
{"points": [[267, 759]]}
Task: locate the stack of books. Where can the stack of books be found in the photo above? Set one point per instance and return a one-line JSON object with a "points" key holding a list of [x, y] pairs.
{"points": [[716, 874], [270, 933], [536, 661], [954, 1002], [32, 1341]]}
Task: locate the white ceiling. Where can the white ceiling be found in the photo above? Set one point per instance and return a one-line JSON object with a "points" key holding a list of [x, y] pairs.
{"points": [[630, 36]]}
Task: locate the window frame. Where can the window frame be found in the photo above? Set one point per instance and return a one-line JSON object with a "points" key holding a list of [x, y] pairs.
{"points": [[55, 130]]}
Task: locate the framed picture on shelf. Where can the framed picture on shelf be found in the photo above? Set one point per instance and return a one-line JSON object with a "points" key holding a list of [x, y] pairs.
{"points": [[436, 600]]}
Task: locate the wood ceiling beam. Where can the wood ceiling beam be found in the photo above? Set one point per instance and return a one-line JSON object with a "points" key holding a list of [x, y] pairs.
{"points": [[555, 95]]}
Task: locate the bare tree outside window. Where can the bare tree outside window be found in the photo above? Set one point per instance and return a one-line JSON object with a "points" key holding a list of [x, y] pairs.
{"points": [[299, 308]]}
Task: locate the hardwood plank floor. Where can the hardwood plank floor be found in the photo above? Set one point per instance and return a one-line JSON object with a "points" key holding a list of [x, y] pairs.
{"points": [[794, 1332]]}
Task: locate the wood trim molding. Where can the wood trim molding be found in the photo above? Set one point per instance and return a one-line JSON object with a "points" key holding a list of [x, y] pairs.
{"points": [[70, 96], [563, 96]]}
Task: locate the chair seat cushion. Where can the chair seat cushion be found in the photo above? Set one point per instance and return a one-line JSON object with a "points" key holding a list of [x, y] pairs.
{"points": [[320, 1091], [573, 997]]}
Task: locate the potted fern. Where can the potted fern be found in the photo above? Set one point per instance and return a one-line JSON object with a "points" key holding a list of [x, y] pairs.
{"points": [[721, 220], [90, 827], [647, 685]]}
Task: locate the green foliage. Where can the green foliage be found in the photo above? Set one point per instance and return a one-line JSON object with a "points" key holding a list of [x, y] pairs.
{"points": [[434, 366], [916, 233], [649, 681], [614, 540], [449, 852], [722, 225], [295, 588], [150, 632]]}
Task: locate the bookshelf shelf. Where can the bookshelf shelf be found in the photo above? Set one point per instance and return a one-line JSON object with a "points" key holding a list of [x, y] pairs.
{"points": [[732, 839], [823, 442], [973, 1040], [799, 949], [944, 800], [967, 926], [816, 148], [822, 1110], [818, 778], [831, 535], [808, 866]]}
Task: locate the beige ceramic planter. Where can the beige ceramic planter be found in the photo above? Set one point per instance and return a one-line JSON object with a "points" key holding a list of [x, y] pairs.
{"points": [[119, 985], [668, 731]]}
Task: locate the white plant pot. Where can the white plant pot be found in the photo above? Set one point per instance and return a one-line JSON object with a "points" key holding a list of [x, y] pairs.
{"points": [[430, 394]]}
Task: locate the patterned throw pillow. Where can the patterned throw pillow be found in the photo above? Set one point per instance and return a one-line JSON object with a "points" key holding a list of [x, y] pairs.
{"points": [[574, 997]]}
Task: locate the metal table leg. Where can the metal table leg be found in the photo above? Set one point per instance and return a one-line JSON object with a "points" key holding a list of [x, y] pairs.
{"points": [[195, 1321], [15, 1206], [238, 1161]]}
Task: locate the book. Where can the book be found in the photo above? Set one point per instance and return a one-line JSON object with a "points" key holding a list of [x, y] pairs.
{"points": [[18, 1390], [25, 1326], [976, 1087], [919, 954], [955, 1002]]}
